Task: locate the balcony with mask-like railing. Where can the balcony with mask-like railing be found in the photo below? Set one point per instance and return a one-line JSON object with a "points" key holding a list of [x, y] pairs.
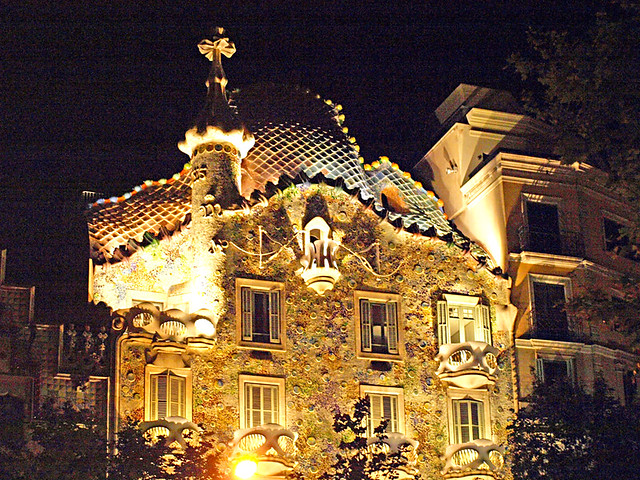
{"points": [[479, 459], [269, 449], [550, 241], [396, 443], [468, 364]]}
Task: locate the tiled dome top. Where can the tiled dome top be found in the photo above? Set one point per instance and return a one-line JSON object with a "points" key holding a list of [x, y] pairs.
{"points": [[298, 136]]}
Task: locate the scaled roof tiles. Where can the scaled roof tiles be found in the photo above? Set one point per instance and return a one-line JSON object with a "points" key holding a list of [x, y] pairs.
{"points": [[297, 136]]}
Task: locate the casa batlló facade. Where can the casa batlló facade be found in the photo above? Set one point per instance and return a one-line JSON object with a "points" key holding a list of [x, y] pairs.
{"points": [[277, 279]]}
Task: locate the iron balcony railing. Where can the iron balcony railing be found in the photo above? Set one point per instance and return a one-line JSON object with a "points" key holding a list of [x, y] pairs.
{"points": [[564, 242]]}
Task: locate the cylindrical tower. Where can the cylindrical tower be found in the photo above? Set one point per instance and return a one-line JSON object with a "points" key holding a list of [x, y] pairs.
{"points": [[216, 145]]}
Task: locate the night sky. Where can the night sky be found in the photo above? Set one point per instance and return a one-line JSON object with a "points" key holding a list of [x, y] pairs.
{"points": [[95, 96]]}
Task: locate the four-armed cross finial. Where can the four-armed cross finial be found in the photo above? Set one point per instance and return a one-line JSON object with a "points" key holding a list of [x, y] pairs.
{"points": [[213, 50]]}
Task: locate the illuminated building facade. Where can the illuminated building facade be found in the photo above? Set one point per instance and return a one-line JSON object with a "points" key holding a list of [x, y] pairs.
{"points": [[277, 278]]}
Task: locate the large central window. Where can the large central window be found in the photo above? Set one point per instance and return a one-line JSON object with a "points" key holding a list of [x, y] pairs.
{"points": [[168, 393], [261, 404], [379, 324], [462, 319], [260, 313]]}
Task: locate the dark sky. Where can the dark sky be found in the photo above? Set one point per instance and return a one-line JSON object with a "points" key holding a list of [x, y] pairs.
{"points": [[96, 95]]}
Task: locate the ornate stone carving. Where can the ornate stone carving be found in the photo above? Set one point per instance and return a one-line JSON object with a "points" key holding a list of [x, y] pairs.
{"points": [[171, 428], [171, 325], [272, 445], [468, 364], [479, 459]]}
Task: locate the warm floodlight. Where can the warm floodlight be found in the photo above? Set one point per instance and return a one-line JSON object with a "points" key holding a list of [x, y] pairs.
{"points": [[205, 327], [246, 468]]}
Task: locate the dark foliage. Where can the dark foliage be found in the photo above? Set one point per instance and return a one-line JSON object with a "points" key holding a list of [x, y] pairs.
{"points": [[60, 444], [584, 82], [134, 457], [566, 434], [356, 459]]}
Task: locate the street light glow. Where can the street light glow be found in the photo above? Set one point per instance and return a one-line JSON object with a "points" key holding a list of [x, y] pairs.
{"points": [[246, 468]]}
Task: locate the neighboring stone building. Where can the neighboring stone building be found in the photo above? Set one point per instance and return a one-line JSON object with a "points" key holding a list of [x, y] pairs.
{"points": [[554, 228], [276, 279], [41, 362]]}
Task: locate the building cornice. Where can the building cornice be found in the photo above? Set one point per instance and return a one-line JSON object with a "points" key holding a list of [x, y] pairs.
{"points": [[573, 348], [532, 170], [546, 259]]}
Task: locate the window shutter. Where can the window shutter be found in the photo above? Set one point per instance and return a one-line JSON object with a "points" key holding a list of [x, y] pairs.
{"points": [[443, 321], [571, 371], [392, 327], [376, 414], [392, 414], [365, 325], [274, 316], [177, 396], [246, 300], [153, 394], [483, 324], [161, 396], [540, 369]]}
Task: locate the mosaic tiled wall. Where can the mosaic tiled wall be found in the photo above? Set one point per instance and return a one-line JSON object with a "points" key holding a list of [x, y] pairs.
{"points": [[320, 366]]}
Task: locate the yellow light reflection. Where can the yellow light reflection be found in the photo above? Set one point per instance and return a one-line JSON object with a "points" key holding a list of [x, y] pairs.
{"points": [[246, 468]]}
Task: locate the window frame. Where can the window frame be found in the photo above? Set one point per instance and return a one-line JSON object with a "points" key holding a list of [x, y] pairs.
{"points": [[386, 298], [568, 360], [553, 280], [244, 379], [398, 392], [135, 297], [455, 395], [260, 286], [622, 223], [155, 370], [481, 318]]}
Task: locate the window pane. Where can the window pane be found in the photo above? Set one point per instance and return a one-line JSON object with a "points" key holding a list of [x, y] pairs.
{"points": [[261, 404], [383, 407], [161, 396], [469, 331], [468, 416], [544, 229], [378, 314], [550, 318], [555, 370], [261, 317], [454, 324]]}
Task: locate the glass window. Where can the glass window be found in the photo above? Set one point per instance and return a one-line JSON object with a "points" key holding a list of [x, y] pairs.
{"points": [[379, 326], [459, 323], [554, 370], [544, 228], [168, 395], [468, 420], [260, 315], [383, 407], [261, 400], [261, 404], [549, 315], [617, 242]]}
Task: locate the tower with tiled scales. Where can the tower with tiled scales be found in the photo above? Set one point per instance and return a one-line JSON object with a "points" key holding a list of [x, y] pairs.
{"points": [[277, 279]]}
